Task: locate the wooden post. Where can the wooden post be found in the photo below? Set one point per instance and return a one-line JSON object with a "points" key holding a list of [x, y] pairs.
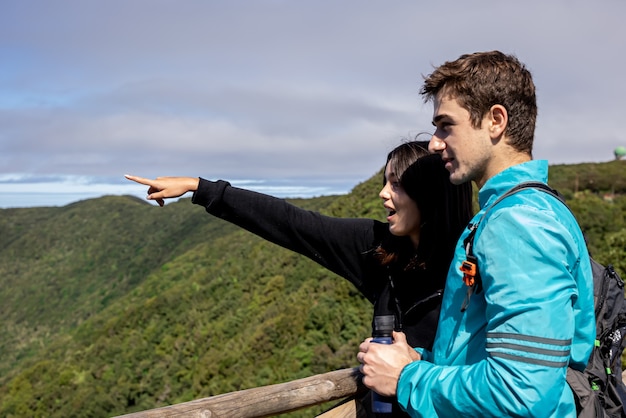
{"points": [[266, 401]]}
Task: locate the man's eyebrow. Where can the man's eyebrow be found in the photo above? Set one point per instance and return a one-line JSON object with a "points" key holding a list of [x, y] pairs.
{"points": [[438, 118]]}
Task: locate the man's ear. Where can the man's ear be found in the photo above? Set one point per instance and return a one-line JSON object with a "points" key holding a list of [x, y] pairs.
{"points": [[498, 119]]}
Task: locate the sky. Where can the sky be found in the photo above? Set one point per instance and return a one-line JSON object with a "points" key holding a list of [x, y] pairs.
{"points": [[291, 98]]}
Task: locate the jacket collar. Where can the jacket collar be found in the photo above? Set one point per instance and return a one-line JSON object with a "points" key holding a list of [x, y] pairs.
{"points": [[534, 170]]}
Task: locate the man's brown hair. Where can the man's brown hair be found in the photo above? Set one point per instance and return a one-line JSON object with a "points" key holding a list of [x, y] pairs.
{"points": [[483, 79]]}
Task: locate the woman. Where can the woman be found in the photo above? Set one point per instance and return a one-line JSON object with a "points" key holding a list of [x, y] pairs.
{"points": [[400, 265]]}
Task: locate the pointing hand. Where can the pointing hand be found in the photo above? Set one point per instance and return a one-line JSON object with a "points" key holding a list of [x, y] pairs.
{"points": [[166, 187]]}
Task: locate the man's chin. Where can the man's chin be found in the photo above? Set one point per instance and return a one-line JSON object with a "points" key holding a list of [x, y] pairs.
{"points": [[456, 181], [455, 177]]}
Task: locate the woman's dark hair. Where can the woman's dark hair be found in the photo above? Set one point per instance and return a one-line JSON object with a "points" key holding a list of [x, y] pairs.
{"points": [[403, 156], [445, 208]]}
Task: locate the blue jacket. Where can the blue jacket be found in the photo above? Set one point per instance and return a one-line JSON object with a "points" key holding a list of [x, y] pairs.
{"points": [[508, 353]]}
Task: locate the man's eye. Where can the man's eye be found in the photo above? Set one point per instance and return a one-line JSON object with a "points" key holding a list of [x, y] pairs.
{"points": [[442, 128]]}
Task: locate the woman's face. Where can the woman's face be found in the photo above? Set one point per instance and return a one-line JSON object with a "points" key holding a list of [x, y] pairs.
{"points": [[402, 212]]}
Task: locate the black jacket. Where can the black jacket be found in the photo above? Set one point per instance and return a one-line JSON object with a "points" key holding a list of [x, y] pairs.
{"points": [[344, 246]]}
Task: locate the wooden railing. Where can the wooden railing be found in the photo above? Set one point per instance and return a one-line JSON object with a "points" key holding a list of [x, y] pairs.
{"points": [[267, 401]]}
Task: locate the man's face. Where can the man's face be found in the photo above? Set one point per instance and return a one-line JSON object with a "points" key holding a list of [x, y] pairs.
{"points": [[466, 151]]}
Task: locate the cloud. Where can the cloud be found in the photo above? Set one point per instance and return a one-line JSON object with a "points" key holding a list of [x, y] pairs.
{"points": [[275, 90]]}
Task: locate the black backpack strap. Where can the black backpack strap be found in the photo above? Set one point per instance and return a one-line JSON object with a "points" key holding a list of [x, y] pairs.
{"points": [[469, 267]]}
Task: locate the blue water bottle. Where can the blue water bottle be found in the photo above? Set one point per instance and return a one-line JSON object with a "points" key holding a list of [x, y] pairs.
{"points": [[382, 334]]}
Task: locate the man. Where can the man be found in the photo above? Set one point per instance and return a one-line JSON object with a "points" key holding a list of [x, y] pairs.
{"points": [[507, 351]]}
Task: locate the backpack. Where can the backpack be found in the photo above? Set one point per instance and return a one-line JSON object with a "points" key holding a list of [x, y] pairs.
{"points": [[598, 390]]}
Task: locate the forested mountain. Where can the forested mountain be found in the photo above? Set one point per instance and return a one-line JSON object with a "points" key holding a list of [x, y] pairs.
{"points": [[113, 305]]}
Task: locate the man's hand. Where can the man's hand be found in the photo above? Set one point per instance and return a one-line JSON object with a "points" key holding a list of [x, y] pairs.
{"points": [[381, 364], [166, 187]]}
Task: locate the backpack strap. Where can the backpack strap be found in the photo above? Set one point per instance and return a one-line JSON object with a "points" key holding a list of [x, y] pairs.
{"points": [[469, 267]]}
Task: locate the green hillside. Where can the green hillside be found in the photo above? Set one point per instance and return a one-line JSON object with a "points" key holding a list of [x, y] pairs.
{"points": [[112, 305]]}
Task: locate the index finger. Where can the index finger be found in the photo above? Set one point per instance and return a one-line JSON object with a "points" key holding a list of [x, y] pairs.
{"points": [[137, 179], [365, 344]]}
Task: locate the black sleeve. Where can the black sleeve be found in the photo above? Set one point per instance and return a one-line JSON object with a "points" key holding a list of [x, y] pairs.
{"points": [[339, 244]]}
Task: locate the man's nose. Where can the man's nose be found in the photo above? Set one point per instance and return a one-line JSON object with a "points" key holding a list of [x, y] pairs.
{"points": [[436, 145]]}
